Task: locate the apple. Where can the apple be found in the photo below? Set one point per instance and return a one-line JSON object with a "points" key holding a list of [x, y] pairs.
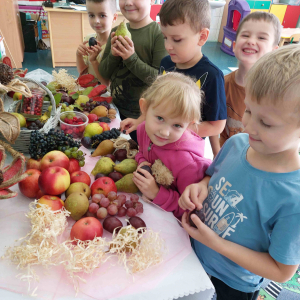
{"points": [[17, 96], [104, 126], [92, 118], [54, 202], [29, 187], [78, 187], [55, 159], [74, 166], [33, 164], [80, 176], [86, 229], [54, 180], [103, 185], [39, 194]]}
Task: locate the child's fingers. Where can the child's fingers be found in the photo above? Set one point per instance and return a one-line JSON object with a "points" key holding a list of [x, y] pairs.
{"points": [[123, 41], [113, 34], [121, 46], [129, 41], [146, 174]]}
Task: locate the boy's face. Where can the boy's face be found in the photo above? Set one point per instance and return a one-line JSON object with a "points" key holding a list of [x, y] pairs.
{"points": [[182, 44], [273, 129], [100, 15], [135, 10], [161, 128], [255, 40]]}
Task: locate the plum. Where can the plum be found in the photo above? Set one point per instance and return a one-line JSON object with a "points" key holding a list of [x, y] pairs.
{"points": [[147, 168], [120, 154], [92, 42], [99, 175], [136, 222], [112, 223], [115, 176], [111, 156], [199, 213]]}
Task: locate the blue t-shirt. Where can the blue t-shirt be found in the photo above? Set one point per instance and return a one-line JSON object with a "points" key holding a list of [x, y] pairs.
{"points": [[253, 208], [210, 79]]}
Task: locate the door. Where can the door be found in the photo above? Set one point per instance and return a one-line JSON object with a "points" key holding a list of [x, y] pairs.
{"points": [[279, 11], [291, 16]]}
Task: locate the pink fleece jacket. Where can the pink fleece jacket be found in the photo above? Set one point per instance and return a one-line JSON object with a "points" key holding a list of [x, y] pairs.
{"points": [[183, 158]]}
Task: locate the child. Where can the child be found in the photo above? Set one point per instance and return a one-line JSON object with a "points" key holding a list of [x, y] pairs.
{"points": [[258, 34], [252, 227], [185, 26], [170, 106], [132, 64], [102, 14]]}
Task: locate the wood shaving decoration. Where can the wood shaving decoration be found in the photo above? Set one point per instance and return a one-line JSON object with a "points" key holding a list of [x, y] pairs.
{"points": [[65, 80], [145, 246], [122, 143], [40, 246], [9, 126], [16, 86]]}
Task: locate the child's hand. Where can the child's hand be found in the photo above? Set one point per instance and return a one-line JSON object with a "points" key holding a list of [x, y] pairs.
{"points": [[114, 44], [129, 125], [125, 47], [82, 49], [147, 185], [193, 196], [144, 163], [202, 233], [94, 52]]}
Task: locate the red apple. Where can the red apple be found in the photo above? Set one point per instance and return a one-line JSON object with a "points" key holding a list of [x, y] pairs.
{"points": [[54, 202], [39, 194], [92, 118], [86, 229], [33, 164], [74, 165], [54, 181], [29, 187], [55, 159], [104, 126], [103, 185], [80, 176]]}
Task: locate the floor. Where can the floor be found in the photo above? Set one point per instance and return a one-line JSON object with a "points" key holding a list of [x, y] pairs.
{"points": [[43, 60]]}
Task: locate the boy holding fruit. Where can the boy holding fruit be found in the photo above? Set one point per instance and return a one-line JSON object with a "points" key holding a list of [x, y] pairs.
{"points": [[102, 14]]}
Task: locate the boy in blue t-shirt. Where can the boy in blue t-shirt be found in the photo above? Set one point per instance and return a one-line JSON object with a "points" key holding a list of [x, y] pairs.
{"points": [[250, 196], [185, 26]]}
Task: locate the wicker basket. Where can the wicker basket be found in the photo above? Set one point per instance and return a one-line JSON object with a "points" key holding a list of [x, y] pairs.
{"points": [[23, 141]]}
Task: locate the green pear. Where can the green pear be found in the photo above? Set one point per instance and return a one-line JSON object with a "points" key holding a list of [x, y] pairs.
{"points": [[126, 166], [126, 184], [104, 165], [77, 204], [122, 30]]}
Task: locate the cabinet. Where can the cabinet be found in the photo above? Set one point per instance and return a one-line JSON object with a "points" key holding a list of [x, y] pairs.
{"points": [[10, 26], [259, 5], [288, 15]]}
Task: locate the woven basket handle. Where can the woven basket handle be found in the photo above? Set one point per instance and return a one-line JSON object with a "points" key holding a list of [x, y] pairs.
{"points": [[53, 111]]}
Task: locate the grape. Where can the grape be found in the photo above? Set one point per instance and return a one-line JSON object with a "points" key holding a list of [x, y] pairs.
{"points": [[134, 198], [104, 202], [101, 213], [122, 198], [122, 212], [128, 204], [137, 204], [68, 152], [118, 203], [81, 163], [112, 196], [112, 209], [90, 201], [80, 153], [93, 208], [89, 214], [131, 212], [74, 154], [139, 210], [86, 142], [97, 197]]}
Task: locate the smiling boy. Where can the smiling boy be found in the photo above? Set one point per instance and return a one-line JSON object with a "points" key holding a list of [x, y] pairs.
{"points": [[258, 34]]}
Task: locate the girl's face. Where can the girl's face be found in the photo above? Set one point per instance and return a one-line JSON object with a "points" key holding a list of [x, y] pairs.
{"points": [[101, 16], [161, 128]]}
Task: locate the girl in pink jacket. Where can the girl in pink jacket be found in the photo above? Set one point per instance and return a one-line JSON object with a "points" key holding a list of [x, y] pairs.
{"points": [[171, 104]]}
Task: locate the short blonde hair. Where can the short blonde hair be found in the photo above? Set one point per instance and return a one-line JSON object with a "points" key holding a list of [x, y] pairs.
{"points": [[276, 76], [195, 12], [178, 92]]}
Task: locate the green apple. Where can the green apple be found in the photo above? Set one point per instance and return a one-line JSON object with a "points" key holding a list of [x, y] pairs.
{"points": [[21, 119]]}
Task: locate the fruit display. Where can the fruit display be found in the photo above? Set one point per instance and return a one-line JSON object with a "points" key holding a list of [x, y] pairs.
{"points": [[42, 143], [33, 105], [73, 124], [106, 135]]}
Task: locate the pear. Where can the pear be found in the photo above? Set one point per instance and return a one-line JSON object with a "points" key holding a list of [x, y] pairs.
{"points": [[126, 166], [104, 165], [77, 204], [92, 129], [126, 184], [100, 111], [79, 187], [122, 30], [105, 147]]}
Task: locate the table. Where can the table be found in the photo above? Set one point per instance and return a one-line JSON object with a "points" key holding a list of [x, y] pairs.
{"points": [[287, 34], [184, 275], [67, 30]]}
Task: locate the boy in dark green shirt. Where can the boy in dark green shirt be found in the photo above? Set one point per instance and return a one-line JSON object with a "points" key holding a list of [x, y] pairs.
{"points": [[132, 64]]}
